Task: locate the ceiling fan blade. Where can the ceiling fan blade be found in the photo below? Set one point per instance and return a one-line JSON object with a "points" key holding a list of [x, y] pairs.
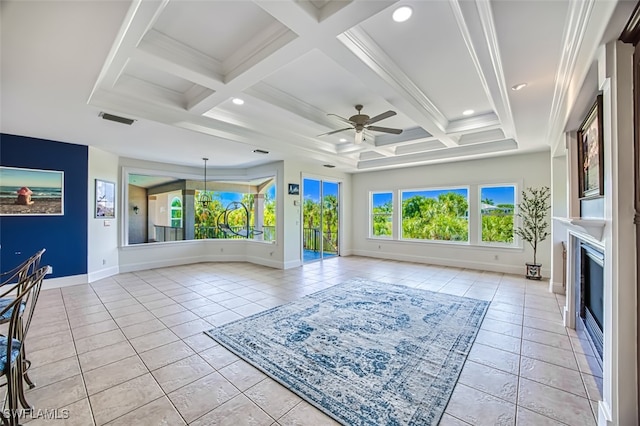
{"points": [[381, 117], [342, 119], [335, 131], [359, 138], [384, 129]]}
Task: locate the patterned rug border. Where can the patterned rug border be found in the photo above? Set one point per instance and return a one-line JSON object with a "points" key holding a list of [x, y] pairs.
{"points": [[299, 392]]}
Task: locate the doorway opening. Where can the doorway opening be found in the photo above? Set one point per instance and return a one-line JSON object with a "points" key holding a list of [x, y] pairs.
{"points": [[320, 219]]}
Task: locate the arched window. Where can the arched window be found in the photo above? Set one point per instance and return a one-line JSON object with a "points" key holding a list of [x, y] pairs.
{"points": [[176, 212]]}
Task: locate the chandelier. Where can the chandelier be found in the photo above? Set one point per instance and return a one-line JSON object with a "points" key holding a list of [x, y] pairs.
{"points": [[205, 198]]}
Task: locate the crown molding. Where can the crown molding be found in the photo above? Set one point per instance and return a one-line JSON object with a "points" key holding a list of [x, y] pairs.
{"points": [[448, 154], [631, 32], [575, 29]]}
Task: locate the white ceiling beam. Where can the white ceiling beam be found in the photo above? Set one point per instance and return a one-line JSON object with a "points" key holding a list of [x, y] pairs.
{"points": [[440, 154], [477, 27], [307, 31]]}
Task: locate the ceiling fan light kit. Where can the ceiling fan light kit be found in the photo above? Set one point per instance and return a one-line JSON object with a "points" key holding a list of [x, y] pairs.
{"points": [[361, 122]]}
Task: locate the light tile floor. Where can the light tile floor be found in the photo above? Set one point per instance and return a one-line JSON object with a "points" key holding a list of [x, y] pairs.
{"points": [[129, 350]]}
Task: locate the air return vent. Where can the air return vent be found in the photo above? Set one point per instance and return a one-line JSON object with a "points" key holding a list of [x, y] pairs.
{"points": [[116, 118]]}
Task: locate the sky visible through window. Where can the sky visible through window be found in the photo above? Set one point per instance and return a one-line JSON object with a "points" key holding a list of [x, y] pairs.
{"points": [[498, 194], [311, 188], [228, 197], [382, 198]]}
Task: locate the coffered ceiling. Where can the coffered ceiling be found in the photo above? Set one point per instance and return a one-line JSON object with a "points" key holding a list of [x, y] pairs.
{"points": [[175, 66]]}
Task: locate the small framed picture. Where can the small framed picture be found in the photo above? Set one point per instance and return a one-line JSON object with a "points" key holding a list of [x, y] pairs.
{"points": [[294, 189], [591, 153], [105, 199]]}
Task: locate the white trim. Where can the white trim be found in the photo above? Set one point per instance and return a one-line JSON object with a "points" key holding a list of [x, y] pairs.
{"points": [[456, 263], [103, 273], [59, 282]]}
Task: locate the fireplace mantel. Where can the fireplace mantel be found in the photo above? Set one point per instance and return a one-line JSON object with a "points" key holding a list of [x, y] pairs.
{"points": [[591, 227]]}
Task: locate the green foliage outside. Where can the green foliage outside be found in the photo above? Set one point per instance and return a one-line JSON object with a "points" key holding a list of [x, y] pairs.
{"points": [[497, 227], [383, 220], [329, 228], [206, 219], [176, 212], [444, 218]]}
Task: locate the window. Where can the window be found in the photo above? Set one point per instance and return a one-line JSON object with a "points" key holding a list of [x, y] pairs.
{"points": [[435, 214], [381, 214], [237, 214], [176, 212], [496, 210]]}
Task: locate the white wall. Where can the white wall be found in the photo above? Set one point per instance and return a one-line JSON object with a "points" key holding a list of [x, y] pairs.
{"points": [[529, 170], [102, 251], [620, 375]]}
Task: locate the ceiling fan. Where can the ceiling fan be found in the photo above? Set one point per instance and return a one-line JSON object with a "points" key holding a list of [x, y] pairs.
{"points": [[361, 122]]}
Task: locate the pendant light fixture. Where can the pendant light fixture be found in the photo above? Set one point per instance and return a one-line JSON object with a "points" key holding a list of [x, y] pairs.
{"points": [[205, 198]]}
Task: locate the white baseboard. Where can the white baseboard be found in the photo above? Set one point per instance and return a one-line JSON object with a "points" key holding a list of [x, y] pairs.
{"points": [[556, 287], [142, 266], [59, 282], [457, 263], [264, 262], [604, 414], [103, 273], [292, 264]]}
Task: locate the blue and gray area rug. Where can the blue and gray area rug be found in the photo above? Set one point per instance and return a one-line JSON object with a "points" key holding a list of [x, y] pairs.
{"points": [[364, 352]]}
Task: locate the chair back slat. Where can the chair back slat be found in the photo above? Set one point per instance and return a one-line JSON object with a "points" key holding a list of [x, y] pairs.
{"points": [[27, 293], [20, 272]]}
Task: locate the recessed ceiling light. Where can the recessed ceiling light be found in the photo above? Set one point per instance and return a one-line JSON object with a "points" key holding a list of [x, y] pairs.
{"points": [[260, 151], [468, 112], [402, 13], [519, 86], [329, 166], [237, 101], [343, 140]]}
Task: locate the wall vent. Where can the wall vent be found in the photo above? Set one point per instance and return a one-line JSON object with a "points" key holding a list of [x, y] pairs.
{"points": [[116, 118]]}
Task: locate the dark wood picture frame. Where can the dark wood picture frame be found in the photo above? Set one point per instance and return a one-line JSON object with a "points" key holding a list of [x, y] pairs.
{"points": [[105, 199], [591, 153]]}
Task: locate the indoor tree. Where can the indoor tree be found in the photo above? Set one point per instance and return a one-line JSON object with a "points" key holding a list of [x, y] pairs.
{"points": [[534, 227]]}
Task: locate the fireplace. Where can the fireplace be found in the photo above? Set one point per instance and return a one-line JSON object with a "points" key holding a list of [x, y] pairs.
{"points": [[590, 297]]}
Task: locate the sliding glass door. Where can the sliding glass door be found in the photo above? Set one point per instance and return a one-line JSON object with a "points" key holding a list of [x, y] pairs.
{"points": [[320, 223]]}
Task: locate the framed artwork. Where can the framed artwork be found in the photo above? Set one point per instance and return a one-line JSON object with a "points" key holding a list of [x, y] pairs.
{"points": [[294, 189], [31, 192], [591, 153], [105, 199]]}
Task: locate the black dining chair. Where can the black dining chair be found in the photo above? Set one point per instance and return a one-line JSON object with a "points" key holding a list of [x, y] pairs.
{"points": [[19, 311], [13, 276], [10, 284]]}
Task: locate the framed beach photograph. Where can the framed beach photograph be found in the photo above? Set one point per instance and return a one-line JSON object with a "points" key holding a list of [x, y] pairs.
{"points": [[591, 153], [31, 192], [105, 199]]}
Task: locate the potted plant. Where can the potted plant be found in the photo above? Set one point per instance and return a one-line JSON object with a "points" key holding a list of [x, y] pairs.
{"points": [[532, 209]]}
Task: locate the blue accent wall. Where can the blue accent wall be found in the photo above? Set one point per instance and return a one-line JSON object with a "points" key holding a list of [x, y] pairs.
{"points": [[64, 237]]}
